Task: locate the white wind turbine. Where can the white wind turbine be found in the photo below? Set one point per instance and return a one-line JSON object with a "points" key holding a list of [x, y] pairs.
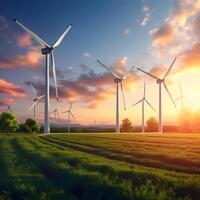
{"points": [[36, 100], [48, 52], [143, 100], [161, 81], [69, 113], [56, 114], [9, 109], [117, 80], [94, 121], [182, 98]]}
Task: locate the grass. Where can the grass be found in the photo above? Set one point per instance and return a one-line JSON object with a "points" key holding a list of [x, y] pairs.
{"points": [[100, 166]]}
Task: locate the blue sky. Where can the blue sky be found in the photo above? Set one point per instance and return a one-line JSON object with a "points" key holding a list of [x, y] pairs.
{"points": [[108, 30]]}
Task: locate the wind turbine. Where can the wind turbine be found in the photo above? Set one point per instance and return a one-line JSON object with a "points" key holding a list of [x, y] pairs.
{"points": [[9, 109], [36, 100], [69, 113], [56, 114], [94, 121], [143, 100], [182, 98], [117, 80], [161, 81], [47, 50]]}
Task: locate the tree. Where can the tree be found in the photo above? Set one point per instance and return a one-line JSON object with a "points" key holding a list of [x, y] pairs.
{"points": [[8, 122], [151, 124], [31, 126], [126, 125]]}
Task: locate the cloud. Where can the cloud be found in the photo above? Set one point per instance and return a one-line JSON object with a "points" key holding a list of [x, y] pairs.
{"points": [[24, 40], [32, 59], [196, 26], [190, 58], [158, 71], [163, 36], [87, 54], [6, 35], [6, 102], [89, 88], [127, 31], [11, 89], [176, 32], [146, 15]]}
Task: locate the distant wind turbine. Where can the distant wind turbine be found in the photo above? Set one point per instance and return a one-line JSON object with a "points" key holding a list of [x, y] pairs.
{"points": [[56, 114], [117, 80], [143, 100], [94, 121], [48, 52], [69, 114], [9, 109], [161, 81], [36, 100], [182, 98]]}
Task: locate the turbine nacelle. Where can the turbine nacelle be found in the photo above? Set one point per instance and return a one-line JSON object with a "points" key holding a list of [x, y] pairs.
{"points": [[47, 50], [118, 80], [159, 81]]}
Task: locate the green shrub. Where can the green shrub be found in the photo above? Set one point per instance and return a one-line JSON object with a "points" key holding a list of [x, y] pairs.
{"points": [[31, 126], [8, 122]]}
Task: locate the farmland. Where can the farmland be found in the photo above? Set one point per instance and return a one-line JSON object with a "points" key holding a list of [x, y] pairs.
{"points": [[100, 166]]}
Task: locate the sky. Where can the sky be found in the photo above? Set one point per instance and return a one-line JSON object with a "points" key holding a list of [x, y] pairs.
{"points": [[147, 34]]}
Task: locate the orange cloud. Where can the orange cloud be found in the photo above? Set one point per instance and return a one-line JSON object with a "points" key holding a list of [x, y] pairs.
{"points": [[158, 71], [6, 102], [177, 34], [11, 89], [91, 88], [164, 36], [190, 58], [31, 59], [24, 40]]}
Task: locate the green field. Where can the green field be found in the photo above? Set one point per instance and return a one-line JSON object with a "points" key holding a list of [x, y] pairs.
{"points": [[100, 166]]}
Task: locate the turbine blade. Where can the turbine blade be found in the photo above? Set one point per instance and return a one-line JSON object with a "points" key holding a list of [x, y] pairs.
{"points": [[180, 88], [169, 93], [33, 105], [137, 102], [60, 39], [115, 75], [123, 95], [72, 115], [70, 107], [125, 75], [189, 101], [169, 68], [148, 73], [34, 92], [177, 99], [54, 73], [150, 105], [58, 114], [36, 37], [41, 97]]}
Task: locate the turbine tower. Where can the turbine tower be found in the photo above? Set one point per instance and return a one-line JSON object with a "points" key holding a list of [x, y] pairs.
{"points": [[117, 80], [47, 50], [182, 98], [161, 81], [56, 114], [36, 100], [143, 100], [69, 113], [9, 109]]}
